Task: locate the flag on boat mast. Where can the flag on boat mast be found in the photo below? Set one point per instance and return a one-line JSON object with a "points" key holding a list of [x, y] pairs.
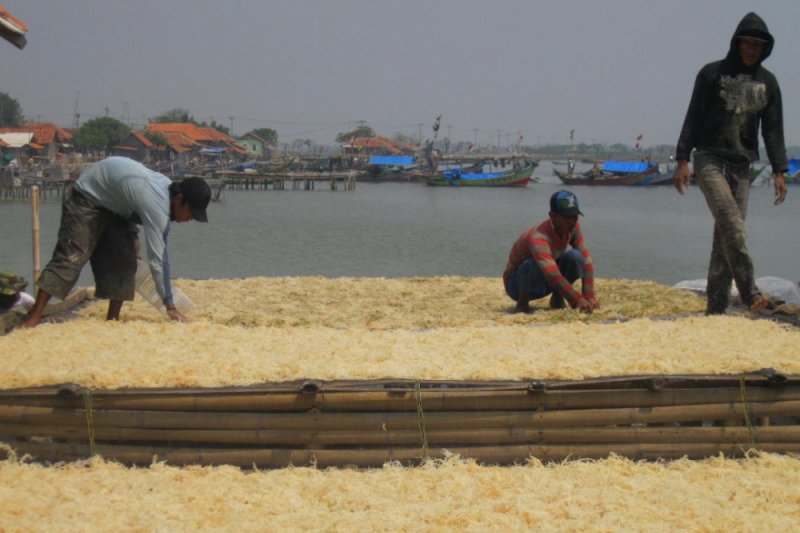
{"points": [[436, 124], [639, 141]]}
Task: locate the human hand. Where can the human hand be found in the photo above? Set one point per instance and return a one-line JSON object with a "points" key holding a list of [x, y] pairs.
{"points": [[174, 314], [682, 176], [780, 188], [585, 306]]}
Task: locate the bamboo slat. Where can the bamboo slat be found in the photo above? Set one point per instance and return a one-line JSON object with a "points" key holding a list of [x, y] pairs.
{"points": [[753, 380], [389, 420], [278, 458], [403, 400], [408, 437]]}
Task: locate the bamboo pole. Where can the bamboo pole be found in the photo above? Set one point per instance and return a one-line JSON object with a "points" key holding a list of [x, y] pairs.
{"points": [[650, 383], [433, 420], [278, 458], [395, 401], [444, 438], [37, 267]]}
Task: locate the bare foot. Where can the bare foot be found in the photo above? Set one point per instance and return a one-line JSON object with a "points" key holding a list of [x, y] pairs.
{"points": [[759, 303], [522, 308], [31, 321]]}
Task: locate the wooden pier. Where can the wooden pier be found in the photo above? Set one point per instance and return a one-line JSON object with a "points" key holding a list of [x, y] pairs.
{"points": [[20, 187], [296, 181]]}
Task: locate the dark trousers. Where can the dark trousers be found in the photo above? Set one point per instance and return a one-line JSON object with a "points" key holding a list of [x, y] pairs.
{"points": [[529, 278], [726, 186], [89, 233]]}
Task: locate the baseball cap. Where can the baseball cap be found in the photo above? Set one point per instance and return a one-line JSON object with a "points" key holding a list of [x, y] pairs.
{"points": [[753, 34], [11, 284], [565, 203], [197, 194]]}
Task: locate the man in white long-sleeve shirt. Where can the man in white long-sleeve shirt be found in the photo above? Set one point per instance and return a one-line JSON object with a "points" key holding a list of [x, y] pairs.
{"points": [[99, 222]]}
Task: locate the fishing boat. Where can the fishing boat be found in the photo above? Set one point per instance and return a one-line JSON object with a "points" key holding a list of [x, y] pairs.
{"points": [[455, 177], [615, 173], [659, 178], [392, 168], [793, 175]]}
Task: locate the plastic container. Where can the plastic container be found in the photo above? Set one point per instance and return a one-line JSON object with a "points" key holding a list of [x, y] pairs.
{"points": [[146, 287]]}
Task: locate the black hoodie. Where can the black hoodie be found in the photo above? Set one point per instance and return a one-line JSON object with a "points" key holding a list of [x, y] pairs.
{"points": [[730, 100]]}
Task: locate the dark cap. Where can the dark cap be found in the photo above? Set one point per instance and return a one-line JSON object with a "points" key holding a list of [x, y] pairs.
{"points": [[197, 194], [754, 35], [565, 203]]}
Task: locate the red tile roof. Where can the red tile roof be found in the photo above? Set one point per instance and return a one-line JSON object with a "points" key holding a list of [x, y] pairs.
{"points": [[12, 29], [4, 14], [180, 142], [217, 135], [220, 137], [43, 132], [191, 131], [142, 138], [194, 134], [375, 142]]}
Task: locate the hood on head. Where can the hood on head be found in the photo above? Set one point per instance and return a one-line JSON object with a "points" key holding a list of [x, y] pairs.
{"points": [[751, 26]]}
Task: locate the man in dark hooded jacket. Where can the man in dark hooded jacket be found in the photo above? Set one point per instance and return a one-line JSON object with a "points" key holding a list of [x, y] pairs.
{"points": [[731, 98]]}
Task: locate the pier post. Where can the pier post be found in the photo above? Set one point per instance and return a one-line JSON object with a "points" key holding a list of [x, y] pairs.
{"points": [[36, 236]]}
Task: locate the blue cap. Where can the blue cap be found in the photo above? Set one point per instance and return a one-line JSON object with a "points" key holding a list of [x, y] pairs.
{"points": [[565, 203]]}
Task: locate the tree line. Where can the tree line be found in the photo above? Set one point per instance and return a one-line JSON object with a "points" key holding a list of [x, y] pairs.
{"points": [[104, 133]]}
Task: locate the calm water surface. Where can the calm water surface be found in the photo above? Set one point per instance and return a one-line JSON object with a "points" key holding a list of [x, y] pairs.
{"points": [[404, 229]]}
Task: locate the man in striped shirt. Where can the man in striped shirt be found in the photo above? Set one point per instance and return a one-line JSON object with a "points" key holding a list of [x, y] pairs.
{"points": [[549, 257]]}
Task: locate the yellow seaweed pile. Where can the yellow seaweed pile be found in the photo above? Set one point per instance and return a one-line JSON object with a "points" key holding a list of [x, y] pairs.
{"points": [[259, 330], [399, 303], [275, 329], [98, 354], [757, 494]]}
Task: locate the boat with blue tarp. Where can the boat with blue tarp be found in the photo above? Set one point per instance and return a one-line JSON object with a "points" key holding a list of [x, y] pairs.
{"points": [[392, 168], [793, 175], [615, 173], [455, 177]]}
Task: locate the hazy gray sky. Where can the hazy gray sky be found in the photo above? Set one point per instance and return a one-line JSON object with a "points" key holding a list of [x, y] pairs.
{"points": [[610, 69]]}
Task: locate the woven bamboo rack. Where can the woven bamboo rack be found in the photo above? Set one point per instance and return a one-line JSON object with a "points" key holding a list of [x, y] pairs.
{"points": [[370, 423]]}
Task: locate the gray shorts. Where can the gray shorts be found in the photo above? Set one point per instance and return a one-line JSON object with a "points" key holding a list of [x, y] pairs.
{"points": [[94, 234]]}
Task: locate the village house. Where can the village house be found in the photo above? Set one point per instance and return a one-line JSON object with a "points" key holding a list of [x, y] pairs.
{"points": [[255, 145], [203, 136], [43, 140], [376, 146], [179, 146], [190, 146], [137, 146]]}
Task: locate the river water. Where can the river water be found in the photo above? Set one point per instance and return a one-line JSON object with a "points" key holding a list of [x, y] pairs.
{"points": [[407, 229]]}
